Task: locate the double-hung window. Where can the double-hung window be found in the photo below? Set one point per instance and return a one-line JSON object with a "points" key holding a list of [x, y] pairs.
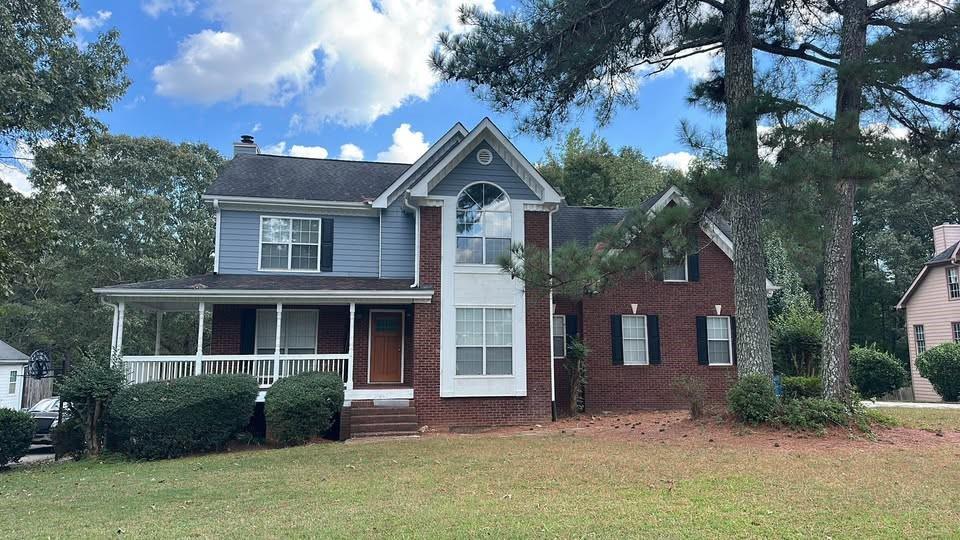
{"points": [[559, 336], [953, 283], [919, 339], [298, 331], [719, 341], [289, 243], [956, 332], [13, 382], [635, 350], [674, 266], [483, 224], [484, 341]]}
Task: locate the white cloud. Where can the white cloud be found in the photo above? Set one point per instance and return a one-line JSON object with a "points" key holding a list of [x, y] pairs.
{"points": [[256, 127], [156, 8], [886, 130], [15, 170], [296, 150], [676, 160], [350, 61], [90, 23], [408, 145], [351, 152]]}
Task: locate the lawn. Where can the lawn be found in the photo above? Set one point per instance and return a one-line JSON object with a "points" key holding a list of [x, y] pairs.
{"points": [[553, 485], [926, 419]]}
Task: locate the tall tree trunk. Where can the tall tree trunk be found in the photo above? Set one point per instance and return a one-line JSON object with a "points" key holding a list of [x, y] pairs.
{"points": [[846, 156], [743, 165]]}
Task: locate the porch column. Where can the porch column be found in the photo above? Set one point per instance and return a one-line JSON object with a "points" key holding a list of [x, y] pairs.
{"points": [[156, 345], [276, 344], [119, 348], [113, 331], [198, 365], [353, 322]]}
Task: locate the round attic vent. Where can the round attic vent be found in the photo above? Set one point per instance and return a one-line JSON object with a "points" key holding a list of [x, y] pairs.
{"points": [[484, 156]]}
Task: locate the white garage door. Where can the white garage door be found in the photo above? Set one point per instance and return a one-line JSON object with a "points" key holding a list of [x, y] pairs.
{"points": [[11, 386]]}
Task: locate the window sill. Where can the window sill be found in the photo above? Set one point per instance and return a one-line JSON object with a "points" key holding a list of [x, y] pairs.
{"points": [[729, 364], [635, 364], [483, 377], [478, 268], [284, 271], [676, 281]]}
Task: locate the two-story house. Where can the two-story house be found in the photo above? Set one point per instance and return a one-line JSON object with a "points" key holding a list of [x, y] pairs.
{"points": [[932, 304], [386, 274]]}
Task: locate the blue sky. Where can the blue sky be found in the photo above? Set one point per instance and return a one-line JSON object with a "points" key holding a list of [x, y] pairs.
{"points": [[309, 76]]}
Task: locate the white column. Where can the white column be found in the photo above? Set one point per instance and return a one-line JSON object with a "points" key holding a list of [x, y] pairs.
{"points": [[353, 322], [119, 347], [113, 331], [156, 345], [198, 365], [276, 344]]}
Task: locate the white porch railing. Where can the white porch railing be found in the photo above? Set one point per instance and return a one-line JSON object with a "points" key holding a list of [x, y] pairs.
{"points": [[261, 366]]}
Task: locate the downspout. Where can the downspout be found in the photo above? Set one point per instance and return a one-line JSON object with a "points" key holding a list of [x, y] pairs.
{"points": [[216, 239], [113, 331], [416, 240], [553, 380]]}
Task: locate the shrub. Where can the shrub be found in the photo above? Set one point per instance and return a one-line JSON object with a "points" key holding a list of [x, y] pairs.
{"points": [[68, 438], [813, 414], [691, 390], [16, 432], [89, 387], [165, 419], [941, 365], [752, 399], [796, 338], [801, 387], [874, 372], [304, 406]]}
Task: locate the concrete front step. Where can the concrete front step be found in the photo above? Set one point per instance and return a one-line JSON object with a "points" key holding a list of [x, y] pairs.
{"points": [[399, 427]]}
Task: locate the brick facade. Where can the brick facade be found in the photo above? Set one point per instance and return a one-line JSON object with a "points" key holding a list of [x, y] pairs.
{"points": [[613, 387], [435, 411], [332, 327]]}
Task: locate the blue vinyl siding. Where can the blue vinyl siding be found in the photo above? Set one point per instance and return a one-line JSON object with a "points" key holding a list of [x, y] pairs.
{"points": [[356, 242], [498, 172], [397, 233]]}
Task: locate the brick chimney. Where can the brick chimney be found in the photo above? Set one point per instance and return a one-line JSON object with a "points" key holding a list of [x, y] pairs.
{"points": [[246, 145], [945, 236]]}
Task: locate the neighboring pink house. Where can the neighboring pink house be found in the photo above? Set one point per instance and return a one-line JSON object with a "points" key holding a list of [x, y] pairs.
{"points": [[933, 304]]}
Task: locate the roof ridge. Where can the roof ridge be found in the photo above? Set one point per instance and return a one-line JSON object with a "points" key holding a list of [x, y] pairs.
{"points": [[330, 159]]}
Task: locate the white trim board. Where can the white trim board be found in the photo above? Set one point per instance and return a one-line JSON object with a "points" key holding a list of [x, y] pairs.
{"points": [[393, 192]]}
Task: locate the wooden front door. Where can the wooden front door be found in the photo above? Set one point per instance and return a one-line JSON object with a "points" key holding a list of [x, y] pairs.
{"points": [[386, 346]]}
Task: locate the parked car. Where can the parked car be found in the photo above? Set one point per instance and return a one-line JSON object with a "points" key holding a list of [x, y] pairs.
{"points": [[46, 413]]}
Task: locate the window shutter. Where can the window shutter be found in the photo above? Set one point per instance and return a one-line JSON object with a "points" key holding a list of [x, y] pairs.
{"points": [[248, 330], [616, 340], [326, 244], [733, 337], [653, 335], [571, 330], [702, 358], [693, 267]]}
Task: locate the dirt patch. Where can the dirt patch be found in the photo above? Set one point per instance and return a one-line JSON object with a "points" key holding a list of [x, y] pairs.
{"points": [[676, 427]]}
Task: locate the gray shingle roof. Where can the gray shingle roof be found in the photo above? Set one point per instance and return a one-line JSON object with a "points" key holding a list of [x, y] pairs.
{"points": [[270, 282], [943, 256], [8, 353], [579, 223], [285, 177]]}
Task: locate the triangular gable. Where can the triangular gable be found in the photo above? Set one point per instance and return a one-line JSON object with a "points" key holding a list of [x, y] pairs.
{"points": [[452, 137], [913, 286], [487, 131]]}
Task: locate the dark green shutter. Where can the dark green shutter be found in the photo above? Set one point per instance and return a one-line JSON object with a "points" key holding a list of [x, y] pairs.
{"points": [[571, 330], [326, 244], [733, 337], [693, 267], [653, 335], [248, 330], [702, 358], [616, 340]]}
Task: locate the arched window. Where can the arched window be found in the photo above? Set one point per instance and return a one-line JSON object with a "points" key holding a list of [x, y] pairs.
{"points": [[483, 224]]}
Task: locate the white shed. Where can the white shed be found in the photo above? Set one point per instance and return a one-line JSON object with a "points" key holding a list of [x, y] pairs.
{"points": [[12, 363]]}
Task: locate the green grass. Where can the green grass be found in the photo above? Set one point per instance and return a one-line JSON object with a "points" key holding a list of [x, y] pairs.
{"points": [[551, 486], [927, 419]]}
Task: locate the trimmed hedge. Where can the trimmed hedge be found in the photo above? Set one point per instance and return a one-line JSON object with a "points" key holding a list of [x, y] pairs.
{"points": [[16, 432], [166, 419], [753, 399], [941, 365], [813, 414], [874, 372], [801, 387], [304, 406]]}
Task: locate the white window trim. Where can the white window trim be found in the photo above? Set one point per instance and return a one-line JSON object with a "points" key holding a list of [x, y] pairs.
{"points": [[919, 336], [729, 341], [403, 341], [483, 237], [686, 273], [273, 312], [646, 340], [290, 245], [562, 353], [953, 272], [14, 379], [483, 346]]}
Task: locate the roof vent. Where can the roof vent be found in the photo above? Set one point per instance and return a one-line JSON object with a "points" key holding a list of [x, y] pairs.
{"points": [[245, 146], [246, 139], [484, 156]]}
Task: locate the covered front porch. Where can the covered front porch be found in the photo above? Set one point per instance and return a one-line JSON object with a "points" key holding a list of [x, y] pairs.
{"points": [[361, 331]]}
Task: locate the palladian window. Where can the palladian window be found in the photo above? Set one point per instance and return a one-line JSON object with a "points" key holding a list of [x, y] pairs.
{"points": [[483, 224]]}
